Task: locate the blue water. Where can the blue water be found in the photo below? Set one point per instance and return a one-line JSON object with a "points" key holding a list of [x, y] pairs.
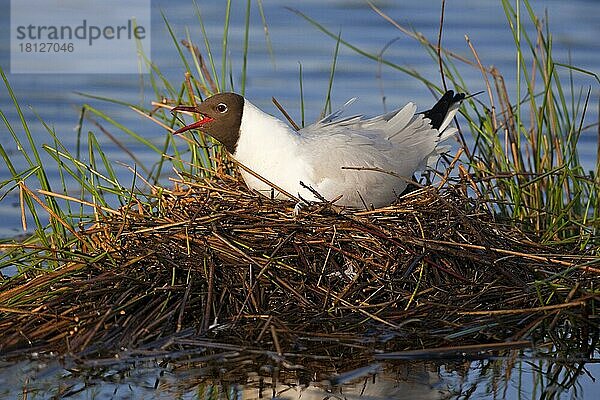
{"points": [[574, 26], [54, 97], [499, 378]]}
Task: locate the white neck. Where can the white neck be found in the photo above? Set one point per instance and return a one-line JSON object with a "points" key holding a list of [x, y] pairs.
{"points": [[259, 132], [270, 148]]}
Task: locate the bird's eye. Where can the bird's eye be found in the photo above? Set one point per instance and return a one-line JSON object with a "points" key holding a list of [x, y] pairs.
{"points": [[222, 108]]}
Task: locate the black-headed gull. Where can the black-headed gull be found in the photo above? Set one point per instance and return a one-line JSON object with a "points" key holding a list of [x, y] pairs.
{"points": [[383, 152]]}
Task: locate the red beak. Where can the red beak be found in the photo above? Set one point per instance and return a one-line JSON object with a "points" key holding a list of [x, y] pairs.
{"points": [[195, 125]]}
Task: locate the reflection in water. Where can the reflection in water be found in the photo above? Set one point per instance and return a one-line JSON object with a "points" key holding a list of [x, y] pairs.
{"points": [[410, 381], [511, 376]]}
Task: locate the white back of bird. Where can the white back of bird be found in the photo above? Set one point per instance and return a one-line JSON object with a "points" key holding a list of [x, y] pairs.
{"points": [[400, 142]]}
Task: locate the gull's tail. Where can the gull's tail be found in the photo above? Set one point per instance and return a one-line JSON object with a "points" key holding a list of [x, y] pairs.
{"points": [[442, 113]]}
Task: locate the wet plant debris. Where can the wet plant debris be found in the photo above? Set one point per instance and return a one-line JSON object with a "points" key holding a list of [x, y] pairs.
{"points": [[211, 265]]}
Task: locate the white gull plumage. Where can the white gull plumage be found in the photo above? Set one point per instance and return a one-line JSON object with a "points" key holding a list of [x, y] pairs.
{"points": [[400, 142]]}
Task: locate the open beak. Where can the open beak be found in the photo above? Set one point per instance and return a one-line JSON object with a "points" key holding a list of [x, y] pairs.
{"points": [[196, 125]]}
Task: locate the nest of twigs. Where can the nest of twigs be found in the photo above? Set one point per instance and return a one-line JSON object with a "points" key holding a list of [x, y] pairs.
{"points": [[217, 267]]}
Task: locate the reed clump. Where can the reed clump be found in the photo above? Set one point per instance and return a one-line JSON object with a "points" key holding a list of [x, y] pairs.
{"points": [[212, 265]]}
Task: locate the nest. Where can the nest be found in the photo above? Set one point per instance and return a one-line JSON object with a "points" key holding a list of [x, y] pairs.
{"points": [[216, 267]]}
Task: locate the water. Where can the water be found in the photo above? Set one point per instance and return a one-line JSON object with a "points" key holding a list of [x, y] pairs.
{"points": [[500, 377], [54, 98]]}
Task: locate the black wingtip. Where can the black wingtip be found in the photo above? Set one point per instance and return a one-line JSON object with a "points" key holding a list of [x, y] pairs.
{"points": [[438, 112]]}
